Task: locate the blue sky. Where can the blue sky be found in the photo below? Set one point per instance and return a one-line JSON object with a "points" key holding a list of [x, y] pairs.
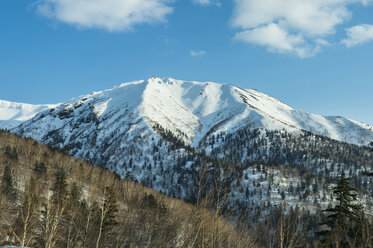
{"points": [[315, 55]]}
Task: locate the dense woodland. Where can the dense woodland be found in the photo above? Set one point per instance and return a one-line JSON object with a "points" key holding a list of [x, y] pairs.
{"points": [[52, 200]]}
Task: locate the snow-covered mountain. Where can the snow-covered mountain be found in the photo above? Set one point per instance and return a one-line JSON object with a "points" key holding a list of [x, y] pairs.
{"points": [[162, 131], [13, 113], [190, 110]]}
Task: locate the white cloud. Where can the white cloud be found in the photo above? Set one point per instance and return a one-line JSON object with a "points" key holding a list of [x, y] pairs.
{"points": [[277, 40], [290, 26], [197, 53], [207, 2], [358, 35], [202, 2], [112, 15]]}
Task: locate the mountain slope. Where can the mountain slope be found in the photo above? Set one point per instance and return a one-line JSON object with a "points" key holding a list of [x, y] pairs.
{"points": [[193, 111], [134, 216], [163, 132], [12, 113]]}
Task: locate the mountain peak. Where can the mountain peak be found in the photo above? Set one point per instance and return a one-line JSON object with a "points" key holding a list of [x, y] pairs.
{"points": [[191, 110]]}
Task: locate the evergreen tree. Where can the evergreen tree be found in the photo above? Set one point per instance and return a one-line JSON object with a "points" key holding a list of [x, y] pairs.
{"points": [[59, 187], [40, 168], [53, 215], [343, 218], [10, 152], [74, 216], [7, 187], [129, 176], [112, 208]]}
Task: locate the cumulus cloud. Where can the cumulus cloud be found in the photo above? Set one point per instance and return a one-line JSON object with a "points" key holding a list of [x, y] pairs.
{"points": [[290, 26], [358, 35], [276, 39], [197, 53], [111, 15]]}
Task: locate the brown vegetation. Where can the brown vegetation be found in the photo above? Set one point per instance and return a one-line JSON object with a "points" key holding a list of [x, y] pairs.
{"points": [[52, 200], [49, 199]]}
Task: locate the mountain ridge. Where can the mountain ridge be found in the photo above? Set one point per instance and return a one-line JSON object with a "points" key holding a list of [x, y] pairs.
{"points": [[14, 113], [193, 110]]}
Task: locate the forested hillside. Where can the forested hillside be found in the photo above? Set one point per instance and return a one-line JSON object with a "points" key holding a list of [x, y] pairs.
{"points": [[49, 199], [164, 132]]}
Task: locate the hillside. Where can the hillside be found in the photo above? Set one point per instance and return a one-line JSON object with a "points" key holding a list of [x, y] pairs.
{"points": [[52, 200], [49, 199]]}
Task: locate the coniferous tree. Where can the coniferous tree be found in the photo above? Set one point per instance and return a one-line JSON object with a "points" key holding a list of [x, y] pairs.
{"points": [[74, 217], [7, 187], [40, 168], [343, 218], [60, 186], [54, 212], [10, 152]]}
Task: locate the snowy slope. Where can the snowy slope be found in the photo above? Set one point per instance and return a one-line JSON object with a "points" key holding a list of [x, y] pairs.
{"points": [[191, 110], [12, 113], [123, 129], [199, 109]]}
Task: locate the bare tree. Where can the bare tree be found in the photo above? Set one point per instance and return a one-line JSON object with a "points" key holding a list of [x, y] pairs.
{"points": [[52, 217], [28, 220], [107, 211]]}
